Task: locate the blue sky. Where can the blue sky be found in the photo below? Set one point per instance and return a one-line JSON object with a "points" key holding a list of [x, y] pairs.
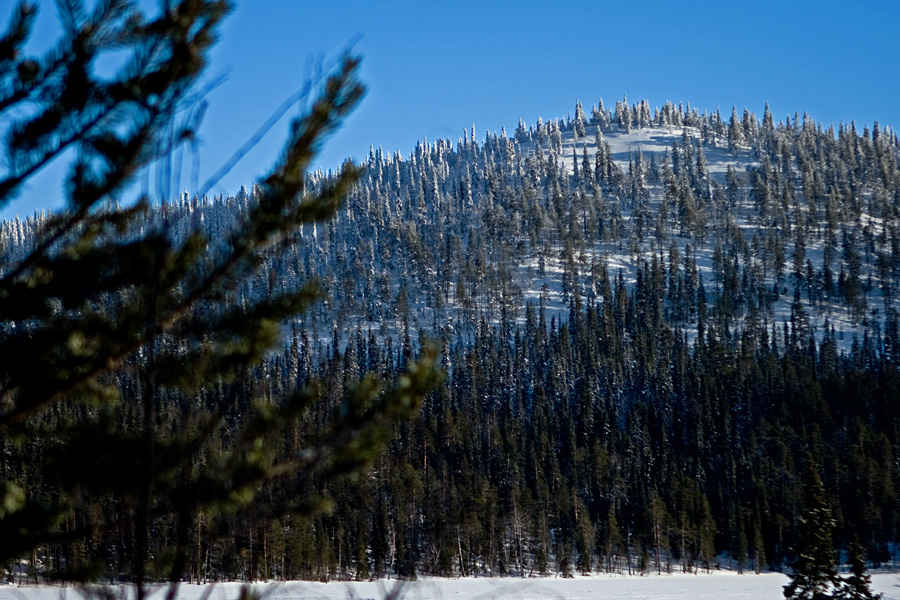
{"points": [[434, 69]]}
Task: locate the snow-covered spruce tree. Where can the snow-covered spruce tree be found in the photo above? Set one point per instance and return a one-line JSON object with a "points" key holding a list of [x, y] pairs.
{"points": [[580, 120], [814, 574], [109, 332]]}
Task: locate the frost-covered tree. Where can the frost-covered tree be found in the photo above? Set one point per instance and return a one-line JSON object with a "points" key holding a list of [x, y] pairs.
{"points": [[580, 120]]}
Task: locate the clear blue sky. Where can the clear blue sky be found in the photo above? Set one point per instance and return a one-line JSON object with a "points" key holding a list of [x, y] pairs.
{"points": [[434, 69]]}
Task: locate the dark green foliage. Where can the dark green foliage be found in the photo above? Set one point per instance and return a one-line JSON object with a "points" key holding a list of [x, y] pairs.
{"points": [[136, 439], [857, 585], [814, 575], [667, 484]]}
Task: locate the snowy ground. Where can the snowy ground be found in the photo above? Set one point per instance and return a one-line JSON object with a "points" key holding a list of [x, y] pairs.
{"points": [[767, 586]]}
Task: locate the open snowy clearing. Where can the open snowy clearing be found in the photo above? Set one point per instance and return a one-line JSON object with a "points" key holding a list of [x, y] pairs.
{"points": [[767, 586]]}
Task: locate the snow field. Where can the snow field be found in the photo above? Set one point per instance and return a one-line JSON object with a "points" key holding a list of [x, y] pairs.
{"points": [[765, 586]]}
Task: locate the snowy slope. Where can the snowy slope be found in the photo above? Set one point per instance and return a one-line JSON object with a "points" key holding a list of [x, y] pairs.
{"points": [[455, 235]]}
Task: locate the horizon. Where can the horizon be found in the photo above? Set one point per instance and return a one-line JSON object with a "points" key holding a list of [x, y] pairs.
{"points": [[434, 71]]}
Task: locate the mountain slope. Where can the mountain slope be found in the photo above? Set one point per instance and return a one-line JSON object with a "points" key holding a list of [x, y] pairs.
{"points": [[648, 322], [767, 216]]}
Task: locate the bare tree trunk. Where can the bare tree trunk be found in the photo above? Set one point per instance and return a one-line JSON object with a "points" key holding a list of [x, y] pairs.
{"points": [[462, 566]]}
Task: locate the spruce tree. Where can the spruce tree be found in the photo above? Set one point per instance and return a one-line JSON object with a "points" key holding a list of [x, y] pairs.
{"points": [[857, 586], [114, 330], [814, 574]]}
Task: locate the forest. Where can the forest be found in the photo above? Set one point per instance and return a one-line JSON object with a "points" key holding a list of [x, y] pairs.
{"points": [[646, 322]]}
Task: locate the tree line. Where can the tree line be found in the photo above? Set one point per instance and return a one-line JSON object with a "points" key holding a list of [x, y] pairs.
{"points": [[607, 442]]}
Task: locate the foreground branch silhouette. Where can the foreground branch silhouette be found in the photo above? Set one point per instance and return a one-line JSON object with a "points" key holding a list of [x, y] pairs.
{"points": [[111, 328]]}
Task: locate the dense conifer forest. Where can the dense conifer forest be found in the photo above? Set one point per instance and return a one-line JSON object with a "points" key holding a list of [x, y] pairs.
{"points": [[648, 321]]}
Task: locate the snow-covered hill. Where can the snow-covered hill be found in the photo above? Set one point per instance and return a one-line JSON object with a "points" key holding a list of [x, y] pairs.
{"points": [[776, 223], [640, 318]]}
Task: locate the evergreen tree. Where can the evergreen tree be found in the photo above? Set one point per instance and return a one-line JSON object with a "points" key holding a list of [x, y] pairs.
{"points": [[116, 333], [857, 586], [735, 130], [814, 575], [580, 120]]}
